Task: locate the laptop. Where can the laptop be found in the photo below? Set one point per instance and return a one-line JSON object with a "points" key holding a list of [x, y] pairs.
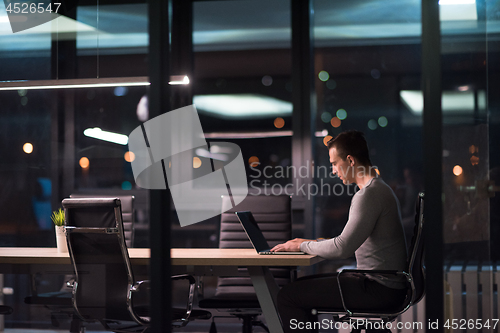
{"points": [[255, 234]]}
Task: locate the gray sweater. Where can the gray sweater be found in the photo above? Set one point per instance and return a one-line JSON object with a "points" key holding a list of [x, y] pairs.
{"points": [[373, 233]]}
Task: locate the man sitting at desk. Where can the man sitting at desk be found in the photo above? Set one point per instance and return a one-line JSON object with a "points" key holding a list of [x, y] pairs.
{"points": [[373, 233]]}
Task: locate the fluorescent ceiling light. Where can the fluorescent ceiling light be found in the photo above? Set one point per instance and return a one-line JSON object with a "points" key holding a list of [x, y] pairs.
{"points": [[242, 106], [179, 79], [98, 133], [215, 156], [457, 10], [247, 135], [256, 135], [456, 2], [451, 101], [60, 25], [321, 134], [87, 83]]}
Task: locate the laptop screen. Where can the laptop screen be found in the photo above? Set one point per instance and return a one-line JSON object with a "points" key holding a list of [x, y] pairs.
{"points": [[253, 231]]}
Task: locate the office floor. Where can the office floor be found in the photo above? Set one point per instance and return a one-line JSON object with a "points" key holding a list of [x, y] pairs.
{"points": [[224, 325], [191, 328]]}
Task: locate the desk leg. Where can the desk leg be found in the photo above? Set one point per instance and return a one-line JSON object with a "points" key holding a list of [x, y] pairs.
{"points": [[267, 291]]}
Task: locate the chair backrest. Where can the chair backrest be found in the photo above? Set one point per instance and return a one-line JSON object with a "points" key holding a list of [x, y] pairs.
{"points": [[274, 217], [100, 258], [416, 258], [128, 214]]}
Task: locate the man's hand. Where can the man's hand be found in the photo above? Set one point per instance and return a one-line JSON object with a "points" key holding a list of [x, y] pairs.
{"points": [[290, 246]]}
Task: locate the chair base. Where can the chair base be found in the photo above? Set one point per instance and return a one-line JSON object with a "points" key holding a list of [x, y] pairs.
{"points": [[249, 321]]}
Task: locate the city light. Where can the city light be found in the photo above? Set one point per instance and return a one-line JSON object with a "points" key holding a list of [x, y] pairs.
{"points": [[28, 148]]}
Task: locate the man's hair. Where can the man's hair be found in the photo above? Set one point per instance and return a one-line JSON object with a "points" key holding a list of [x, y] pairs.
{"points": [[351, 143]]}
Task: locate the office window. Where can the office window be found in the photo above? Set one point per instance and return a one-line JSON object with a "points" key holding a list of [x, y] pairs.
{"points": [[360, 68], [242, 84]]}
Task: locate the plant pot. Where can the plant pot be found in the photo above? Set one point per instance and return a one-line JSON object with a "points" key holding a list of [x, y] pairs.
{"points": [[62, 245]]}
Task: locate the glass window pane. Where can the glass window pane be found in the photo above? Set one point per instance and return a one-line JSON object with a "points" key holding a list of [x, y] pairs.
{"points": [[367, 54], [242, 84]]}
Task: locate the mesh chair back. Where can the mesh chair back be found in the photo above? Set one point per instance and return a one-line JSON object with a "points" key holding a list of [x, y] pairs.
{"points": [[128, 214], [273, 215], [100, 258], [416, 259]]}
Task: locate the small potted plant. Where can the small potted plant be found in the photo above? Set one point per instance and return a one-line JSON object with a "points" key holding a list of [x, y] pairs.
{"points": [[58, 218]]}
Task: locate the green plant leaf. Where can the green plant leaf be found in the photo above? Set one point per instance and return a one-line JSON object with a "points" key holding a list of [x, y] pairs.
{"points": [[58, 217]]}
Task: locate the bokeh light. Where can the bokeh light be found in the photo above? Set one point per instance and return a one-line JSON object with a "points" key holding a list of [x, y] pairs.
{"points": [[326, 117], [196, 162], [279, 122], [375, 73], [382, 121], [326, 139], [331, 84], [341, 114], [84, 162], [474, 160], [457, 170], [28, 148], [335, 122], [372, 124], [324, 76], [254, 161], [129, 156], [126, 185], [120, 91], [267, 80]]}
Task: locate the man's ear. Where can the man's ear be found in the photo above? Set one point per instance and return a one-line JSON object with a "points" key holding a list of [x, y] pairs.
{"points": [[351, 160]]}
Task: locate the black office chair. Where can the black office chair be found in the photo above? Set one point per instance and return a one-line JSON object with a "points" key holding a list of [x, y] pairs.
{"points": [[235, 294], [128, 213], [414, 274], [104, 289], [59, 302]]}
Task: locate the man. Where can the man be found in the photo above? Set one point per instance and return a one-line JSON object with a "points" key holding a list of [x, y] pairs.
{"points": [[373, 233]]}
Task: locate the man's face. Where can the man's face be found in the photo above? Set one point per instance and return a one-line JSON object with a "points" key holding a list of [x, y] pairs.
{"points": [[340, 167]]}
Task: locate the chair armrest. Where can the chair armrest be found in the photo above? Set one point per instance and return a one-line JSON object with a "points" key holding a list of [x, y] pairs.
{"points": [[379, 272], [184, 277], [189, 305], [138, 285]]}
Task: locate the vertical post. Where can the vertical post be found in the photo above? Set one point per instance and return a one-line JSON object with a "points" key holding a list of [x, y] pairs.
{"points": [[2, 319], [304, 115], [182, 59], [432, 131], [159, 102], [63, 66]]}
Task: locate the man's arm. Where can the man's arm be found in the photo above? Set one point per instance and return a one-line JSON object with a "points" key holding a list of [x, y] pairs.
{"points": [[291, 246], [363, 216]]}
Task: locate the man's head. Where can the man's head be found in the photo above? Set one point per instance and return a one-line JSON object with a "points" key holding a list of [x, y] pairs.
{"points": [[348, 150]]}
